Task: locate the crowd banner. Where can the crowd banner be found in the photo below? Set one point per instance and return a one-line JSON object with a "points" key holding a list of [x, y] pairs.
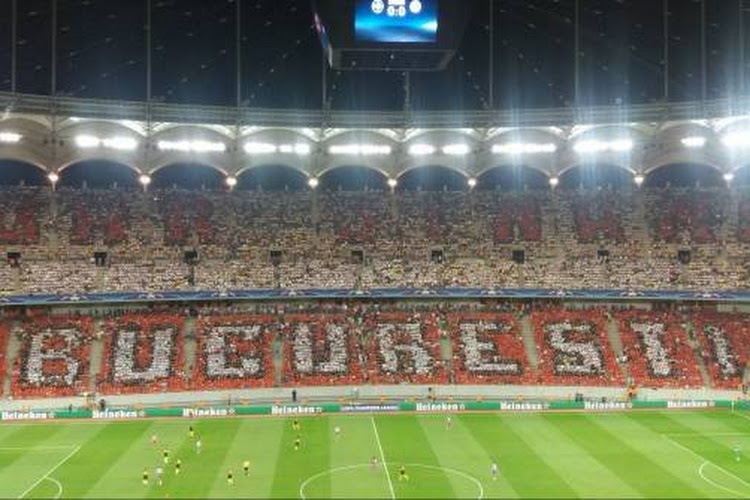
{"points": [[375, 293], [202, 412]]}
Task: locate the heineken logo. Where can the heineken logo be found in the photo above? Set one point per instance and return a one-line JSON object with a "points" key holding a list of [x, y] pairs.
{"points": [[207, 412], [117, 414], [690, 404], [507, 406], [26, 415], [607, 405], [441, 407], [295, 410]]}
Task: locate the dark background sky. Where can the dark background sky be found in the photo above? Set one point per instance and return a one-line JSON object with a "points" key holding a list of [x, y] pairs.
{"points": [[101, 51]]}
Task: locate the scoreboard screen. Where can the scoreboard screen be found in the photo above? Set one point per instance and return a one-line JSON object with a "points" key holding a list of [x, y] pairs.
{"points": [[396, 21]]}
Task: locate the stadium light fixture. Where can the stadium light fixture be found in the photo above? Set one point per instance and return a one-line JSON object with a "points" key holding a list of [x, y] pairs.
{"points": [[145, 180], [295, 149], [10, 137], [554, 181], [593, 146], [693, 142], [53, 177], [737, 140], [729, 177], [472, 182], [313, 182], [523, 148], [360, 150], [231, 181], [260, 148], [87, 141], [120, 143], [392, 183], [421, 150], [117, 143], [639, 179], [193, 146], [456, 150]]}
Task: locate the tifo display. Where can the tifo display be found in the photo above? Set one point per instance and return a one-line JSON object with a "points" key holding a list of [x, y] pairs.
{"points": [[335, 344]]}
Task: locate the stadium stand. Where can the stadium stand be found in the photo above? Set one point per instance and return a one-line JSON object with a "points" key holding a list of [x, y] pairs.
{"points": [[724, 339], [488, 349], [328, 343], [234, 351], [657, 350], [322, 349], [593, 239], [54, 358], [574, 349], [143, 352]]}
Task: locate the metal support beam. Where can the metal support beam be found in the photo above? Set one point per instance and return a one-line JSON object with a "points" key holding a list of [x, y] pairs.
{"points": [[148, 51], [238, 53], [577, 50], [14, 46], [665, 55], [704, 76], [741, 51], [53, 62], [491, 83]]}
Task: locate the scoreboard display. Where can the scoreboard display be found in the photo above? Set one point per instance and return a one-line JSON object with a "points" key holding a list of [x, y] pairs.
{"points": [[396, 21], [390, 35]]}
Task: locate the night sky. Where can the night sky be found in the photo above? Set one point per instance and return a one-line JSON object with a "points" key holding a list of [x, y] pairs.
{"points": [[102, 47]]}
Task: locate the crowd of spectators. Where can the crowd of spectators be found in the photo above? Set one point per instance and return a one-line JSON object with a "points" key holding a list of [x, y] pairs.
{"points": [[657, 350], [331, 343], [322, 349], [488, 348], [234, 351], [595, 239], [724, 339], [143, 352], [54, 357], [574, 348]]}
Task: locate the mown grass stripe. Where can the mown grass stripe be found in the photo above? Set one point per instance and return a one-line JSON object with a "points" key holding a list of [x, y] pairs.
{"points": [[20, 451], [529, 475], [217, 437], [293, 467], [98, 455], [620, 456], [458, 449], [405, 442], [589, 477], [259, 442], [704, 446]]}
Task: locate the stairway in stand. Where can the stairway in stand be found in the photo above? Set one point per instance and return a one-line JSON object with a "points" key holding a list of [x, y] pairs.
{"points": [[529, 342], [11, 353]]}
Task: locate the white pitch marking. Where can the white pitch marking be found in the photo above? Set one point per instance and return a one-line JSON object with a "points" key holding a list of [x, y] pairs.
{"points": [[698, 455], [382, 457], [717, 485], [741, 415], [310, 479], [53, 469], [324, 473], [59, 486], [34, 448], [695, 434]]}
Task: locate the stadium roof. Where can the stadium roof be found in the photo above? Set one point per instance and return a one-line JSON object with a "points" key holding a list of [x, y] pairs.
{"points": [[101, 53]]}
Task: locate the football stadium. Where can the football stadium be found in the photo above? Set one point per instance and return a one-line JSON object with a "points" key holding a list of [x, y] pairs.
{"points": [[374, 249]]}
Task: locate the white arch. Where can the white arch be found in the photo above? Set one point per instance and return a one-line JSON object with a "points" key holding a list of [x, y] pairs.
{"points": [[331, 168], [463, 173], [187, 164], [256, 166]]}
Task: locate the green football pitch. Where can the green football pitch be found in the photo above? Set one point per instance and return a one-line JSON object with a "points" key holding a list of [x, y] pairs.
{"points": [[678, 454]]}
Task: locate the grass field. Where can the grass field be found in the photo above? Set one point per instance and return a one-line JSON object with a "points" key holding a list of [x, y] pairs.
{"points": [[680, 454]]}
